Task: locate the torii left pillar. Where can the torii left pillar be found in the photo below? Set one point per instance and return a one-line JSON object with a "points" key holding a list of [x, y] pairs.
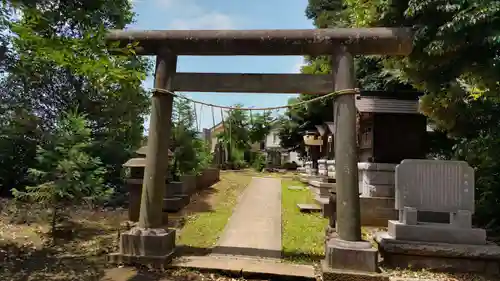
{"points": [[149, 243]]}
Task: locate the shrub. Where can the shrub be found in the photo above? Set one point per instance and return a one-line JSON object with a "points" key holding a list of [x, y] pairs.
{"points": [[259, 162]]}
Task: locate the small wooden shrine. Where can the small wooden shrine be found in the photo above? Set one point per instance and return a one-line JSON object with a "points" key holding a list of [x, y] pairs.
{"points": [[390, 128]]}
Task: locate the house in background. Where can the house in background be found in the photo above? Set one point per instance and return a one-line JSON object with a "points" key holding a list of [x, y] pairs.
{"points": [[270, 145], [211, 135], [276, 154]]}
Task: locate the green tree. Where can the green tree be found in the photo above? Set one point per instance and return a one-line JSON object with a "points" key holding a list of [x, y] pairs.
{"points": [[236, 129], [236, 135], [183, 135], [454, 62], [370, 76], [191, 153], [241, 131], [259, 126], [59, 62], [66, 174]]}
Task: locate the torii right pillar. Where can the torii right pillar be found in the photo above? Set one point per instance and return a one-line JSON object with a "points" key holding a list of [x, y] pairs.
{"points": [[345, 250]]}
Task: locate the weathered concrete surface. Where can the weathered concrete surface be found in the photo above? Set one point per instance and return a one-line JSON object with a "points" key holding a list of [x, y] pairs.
{"points": [[254, 229], [247, 267]]}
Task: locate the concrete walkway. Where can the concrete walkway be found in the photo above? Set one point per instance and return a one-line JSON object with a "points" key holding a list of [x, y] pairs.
{"points": [[254, 229]]}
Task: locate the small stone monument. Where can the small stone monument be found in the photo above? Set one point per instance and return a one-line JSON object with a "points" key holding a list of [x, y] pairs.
{"points": [[134, 181], [439, 187]]}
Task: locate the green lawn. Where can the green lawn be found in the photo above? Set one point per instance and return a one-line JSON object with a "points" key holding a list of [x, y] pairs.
{"points": [[303, 234]]}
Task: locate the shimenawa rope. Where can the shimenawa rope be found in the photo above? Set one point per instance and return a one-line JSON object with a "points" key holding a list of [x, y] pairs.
{"points": [[336, 93]]}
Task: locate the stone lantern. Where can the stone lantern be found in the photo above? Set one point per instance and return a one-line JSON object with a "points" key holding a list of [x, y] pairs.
{"points": [[330, 163], [313, 143], [136, 167], [323, 152]]}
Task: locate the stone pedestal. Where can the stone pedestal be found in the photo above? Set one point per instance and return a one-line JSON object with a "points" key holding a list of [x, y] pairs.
{"points": [[436, 233], [189, 184], [439, 256], [176, 197], [308, 166], [321, 192], [439, 187], [376, 179], [322, 188], [148, 247], [322, 169], [376, 186], [207, 178], [310, 172], [347, 260], [304, 177], [330, 166]]}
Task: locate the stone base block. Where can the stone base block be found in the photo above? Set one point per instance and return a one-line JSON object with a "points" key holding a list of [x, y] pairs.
{"points": [[439, 256], [175, 204], [374, 211], [313, 189], [324, 203], [439, 233], [175, 188], [378, 190], [189, 182], [331, 274], [147, 247], [377, 211], [322, 184], [317, 181], [353, 256], [304, 178], [322, 188]]}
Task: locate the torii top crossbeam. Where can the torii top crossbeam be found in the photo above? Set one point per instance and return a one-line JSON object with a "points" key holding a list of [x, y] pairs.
{"points": [[359, 41]]}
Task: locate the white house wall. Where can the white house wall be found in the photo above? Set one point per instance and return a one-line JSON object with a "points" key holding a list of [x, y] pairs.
{"points": [[273, 140]]}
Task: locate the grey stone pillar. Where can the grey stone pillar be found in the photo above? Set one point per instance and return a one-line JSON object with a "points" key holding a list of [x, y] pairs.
{"points": [[346, 251], [149, 243]]}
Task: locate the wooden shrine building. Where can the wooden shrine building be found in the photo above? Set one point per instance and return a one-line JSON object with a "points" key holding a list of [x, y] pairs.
{"points": [[390, 128]]}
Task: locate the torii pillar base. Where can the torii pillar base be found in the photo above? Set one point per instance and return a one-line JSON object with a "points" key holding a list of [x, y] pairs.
{"points": [[152, 248]]}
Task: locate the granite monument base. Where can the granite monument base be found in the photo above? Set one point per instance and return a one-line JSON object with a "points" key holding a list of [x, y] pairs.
{"points": [[438, 256], [436, 232]]}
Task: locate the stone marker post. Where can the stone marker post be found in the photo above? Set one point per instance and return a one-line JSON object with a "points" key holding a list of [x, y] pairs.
{"points": [[149, 243], [347, 251]]}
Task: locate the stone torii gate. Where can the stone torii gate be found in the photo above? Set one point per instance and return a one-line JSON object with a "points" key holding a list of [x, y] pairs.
{"points": [[149, 243]]}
